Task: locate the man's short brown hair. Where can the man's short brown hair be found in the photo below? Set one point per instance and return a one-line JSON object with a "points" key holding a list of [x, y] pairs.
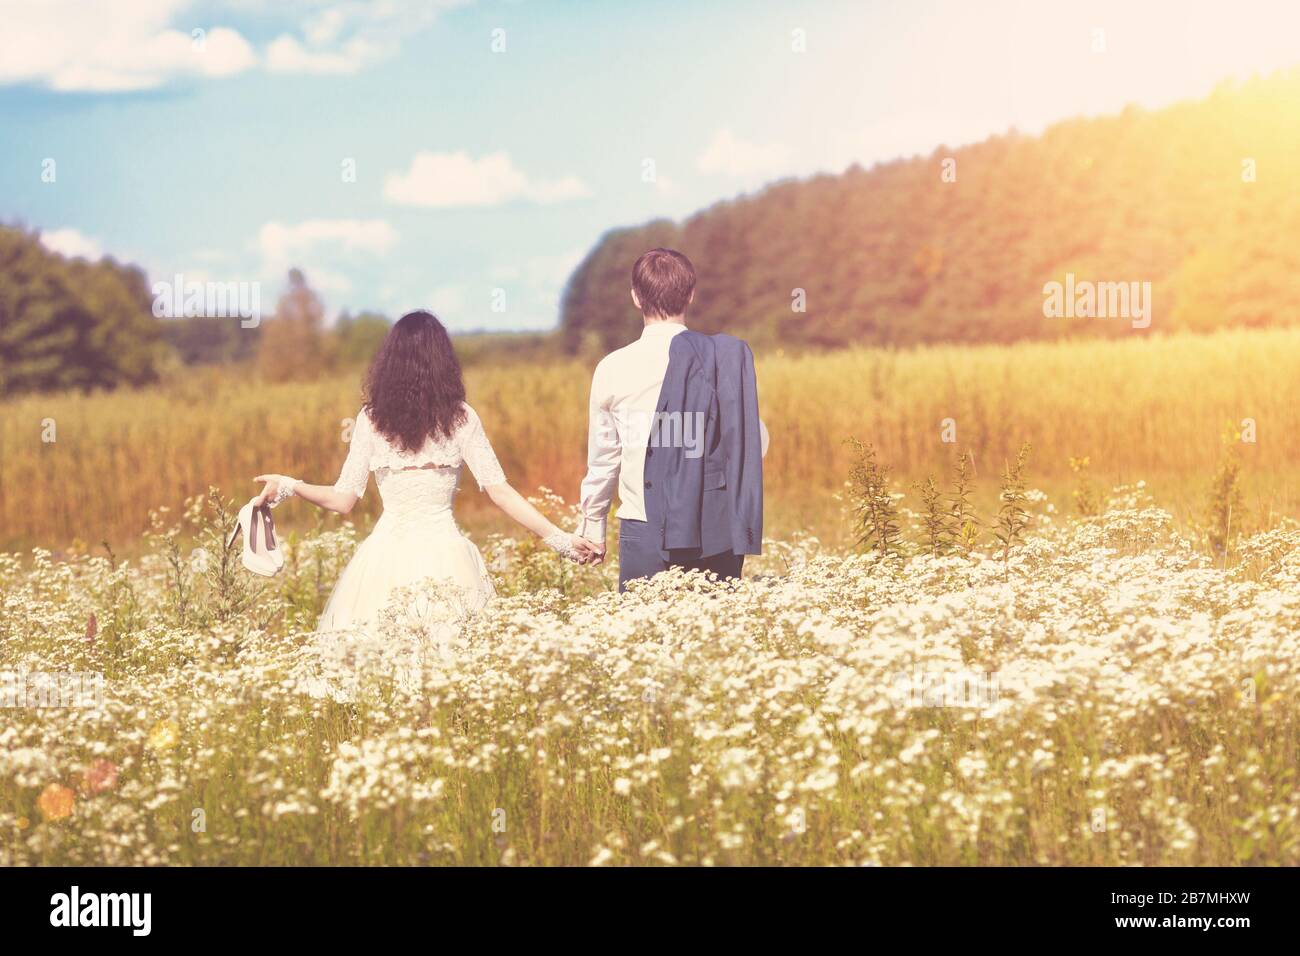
{"points": [[663, 280]]}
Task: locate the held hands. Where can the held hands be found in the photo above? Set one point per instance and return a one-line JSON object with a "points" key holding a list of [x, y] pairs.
{"points": [[594, 550], [590, 552], [576, 549]]}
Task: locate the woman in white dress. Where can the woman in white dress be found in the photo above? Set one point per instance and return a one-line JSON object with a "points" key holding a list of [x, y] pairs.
{"points": [[414, 431]]}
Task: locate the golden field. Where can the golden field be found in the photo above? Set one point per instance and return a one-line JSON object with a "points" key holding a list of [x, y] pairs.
{"points": [[1153, 409], [1100, 689], [1103, 696]]}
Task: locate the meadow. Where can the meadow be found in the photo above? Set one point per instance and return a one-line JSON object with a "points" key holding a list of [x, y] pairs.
{"points": [[1155, 409], [1100, 692], [1086, 673]]}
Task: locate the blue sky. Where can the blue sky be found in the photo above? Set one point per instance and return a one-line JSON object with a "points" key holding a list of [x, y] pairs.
{"points": [[483, 175]]}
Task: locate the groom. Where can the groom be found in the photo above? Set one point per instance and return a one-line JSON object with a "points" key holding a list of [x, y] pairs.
{"points": [[674, 426]]}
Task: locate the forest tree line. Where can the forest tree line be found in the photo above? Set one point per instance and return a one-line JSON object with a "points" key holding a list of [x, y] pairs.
{"points": [[1200, 199], [71, 324]]}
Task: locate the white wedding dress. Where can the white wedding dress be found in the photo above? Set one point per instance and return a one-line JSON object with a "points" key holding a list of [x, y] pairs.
{"points": [[416, 543]]}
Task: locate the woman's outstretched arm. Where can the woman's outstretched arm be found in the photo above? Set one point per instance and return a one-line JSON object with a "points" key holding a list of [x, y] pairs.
{"points": [[515, 505], [342, 497], [323, 496], [482, 460]]}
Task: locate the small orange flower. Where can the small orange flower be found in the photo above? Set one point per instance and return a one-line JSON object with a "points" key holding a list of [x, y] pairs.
{"points": [[23, 823], [99, 776], [55, 802], [164, 736]]}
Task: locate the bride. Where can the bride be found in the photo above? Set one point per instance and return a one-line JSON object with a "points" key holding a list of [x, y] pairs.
{"points": [[414, 431]]}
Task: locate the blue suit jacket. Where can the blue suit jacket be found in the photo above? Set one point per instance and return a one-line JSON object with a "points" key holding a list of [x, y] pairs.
{"points": [[704, 461]]}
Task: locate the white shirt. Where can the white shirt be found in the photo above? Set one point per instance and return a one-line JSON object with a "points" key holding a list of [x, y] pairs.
{"points": [[624, 392]]}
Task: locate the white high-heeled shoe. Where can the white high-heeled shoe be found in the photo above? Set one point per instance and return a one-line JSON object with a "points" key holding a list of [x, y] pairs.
{"points": [[261, 556]]}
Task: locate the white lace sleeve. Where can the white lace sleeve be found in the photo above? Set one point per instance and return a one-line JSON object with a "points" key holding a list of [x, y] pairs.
{"points": [[477, 452], [356, 470]]}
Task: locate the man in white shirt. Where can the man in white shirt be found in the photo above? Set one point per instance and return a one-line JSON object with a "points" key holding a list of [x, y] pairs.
{"points": [[624, 393]]}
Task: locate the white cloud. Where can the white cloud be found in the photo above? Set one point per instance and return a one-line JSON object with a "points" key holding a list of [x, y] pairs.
{"points": [[101, 47], [457, 179], [287, 55], [347, 36], [327, 250], [125, 45], [729, 155], [71, 243], [326, 26], [279, 242]]}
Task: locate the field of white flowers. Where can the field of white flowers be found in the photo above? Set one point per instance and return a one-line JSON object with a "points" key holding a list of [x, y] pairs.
{"points": [[1108, 695]]}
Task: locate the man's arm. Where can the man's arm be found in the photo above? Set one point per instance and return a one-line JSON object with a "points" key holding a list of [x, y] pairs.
{"points": [[603, 458]]}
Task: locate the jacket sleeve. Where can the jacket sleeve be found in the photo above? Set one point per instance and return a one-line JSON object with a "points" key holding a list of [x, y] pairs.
{"points": [[747, 533], [684, 402]]}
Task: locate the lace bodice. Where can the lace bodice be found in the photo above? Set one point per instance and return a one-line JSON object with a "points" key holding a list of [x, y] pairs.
{"points": [[423, 481]]}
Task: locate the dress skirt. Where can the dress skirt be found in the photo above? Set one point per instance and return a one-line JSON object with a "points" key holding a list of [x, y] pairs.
{"points": [[409, 571]]}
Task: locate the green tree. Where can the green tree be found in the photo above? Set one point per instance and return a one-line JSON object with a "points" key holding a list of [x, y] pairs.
{"points": [[294, 345], [72, 324], [359, 337], [897, 255]]}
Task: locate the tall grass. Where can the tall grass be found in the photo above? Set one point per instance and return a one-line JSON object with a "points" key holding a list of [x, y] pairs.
{"points": [[1100, 694], [1143, 408]]}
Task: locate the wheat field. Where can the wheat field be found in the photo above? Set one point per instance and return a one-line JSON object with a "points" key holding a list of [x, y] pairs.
{"points": [[1153, 409], [1086, 678]]}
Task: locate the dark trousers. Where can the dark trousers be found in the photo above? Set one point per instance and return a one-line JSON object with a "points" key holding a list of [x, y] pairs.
{"points": [[639, 556]]}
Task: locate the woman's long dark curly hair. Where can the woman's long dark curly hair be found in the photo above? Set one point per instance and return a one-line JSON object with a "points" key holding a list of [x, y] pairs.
{"points": [[414, 388]]}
